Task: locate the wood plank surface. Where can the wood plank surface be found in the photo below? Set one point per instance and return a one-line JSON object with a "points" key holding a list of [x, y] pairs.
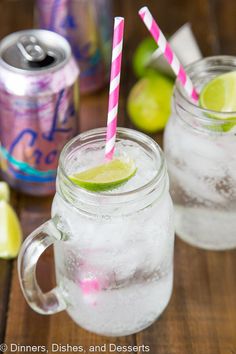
{"points": [[10, 22], [5, 279], [201, 316], [226, 25]]}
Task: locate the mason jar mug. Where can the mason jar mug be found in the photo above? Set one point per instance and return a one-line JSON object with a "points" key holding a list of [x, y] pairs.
{"points": [[200, 148], [113, 250]]}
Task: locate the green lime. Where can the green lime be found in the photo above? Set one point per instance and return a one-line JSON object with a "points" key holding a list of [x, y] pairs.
{"points": [[4, 191], [219, 95], [149, 103], [10, 232], [142, 55], [106, 176]]}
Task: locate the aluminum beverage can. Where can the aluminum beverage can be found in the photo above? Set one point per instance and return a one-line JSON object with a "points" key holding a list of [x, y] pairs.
{"points": [[87, 25], [38, 107]]}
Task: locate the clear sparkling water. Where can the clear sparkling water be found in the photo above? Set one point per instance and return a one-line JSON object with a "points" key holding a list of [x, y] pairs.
{"points": [[116, 269], [93, 155], [202, 169]]}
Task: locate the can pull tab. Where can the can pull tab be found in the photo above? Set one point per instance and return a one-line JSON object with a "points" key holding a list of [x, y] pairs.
{"points": [[31, 49]]}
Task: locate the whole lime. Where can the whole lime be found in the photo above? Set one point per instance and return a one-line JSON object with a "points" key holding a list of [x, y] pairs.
{"points": [[149, 103], [142, 55]]}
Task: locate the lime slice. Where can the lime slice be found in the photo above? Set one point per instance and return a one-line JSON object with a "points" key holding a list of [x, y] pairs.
{"points": [[10, 232], [4, 191], [219, 95], [106, 176]]}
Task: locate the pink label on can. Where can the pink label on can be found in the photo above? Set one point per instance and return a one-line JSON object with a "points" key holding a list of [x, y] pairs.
{"points": [[33, 131]]}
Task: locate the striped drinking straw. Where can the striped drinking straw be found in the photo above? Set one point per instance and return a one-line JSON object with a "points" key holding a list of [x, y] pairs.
{"points": [[114, 87], [90, 287], [170, 56]]}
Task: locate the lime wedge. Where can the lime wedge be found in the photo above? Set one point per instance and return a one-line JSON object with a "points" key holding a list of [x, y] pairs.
{"points": [[219, 95], [106, 176], [4, 191], [10, 232]]}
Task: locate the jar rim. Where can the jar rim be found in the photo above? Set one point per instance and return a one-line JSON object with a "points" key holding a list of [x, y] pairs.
{"points": [[113, 198], [203, 114]]}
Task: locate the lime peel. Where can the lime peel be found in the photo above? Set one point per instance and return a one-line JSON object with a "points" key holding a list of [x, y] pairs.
{"points": [[142, 56], [149, 103], [4, 191], [106, 176], [10, 232]]}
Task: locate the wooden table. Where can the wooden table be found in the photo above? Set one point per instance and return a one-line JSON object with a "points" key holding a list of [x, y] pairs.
{"points": [[201, 317]]}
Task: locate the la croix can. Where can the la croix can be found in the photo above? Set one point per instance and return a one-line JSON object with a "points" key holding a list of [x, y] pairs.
{"points": [[38, 107], [87, 25]]}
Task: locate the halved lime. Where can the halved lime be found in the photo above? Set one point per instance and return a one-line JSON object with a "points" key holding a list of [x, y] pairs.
{"points": [[219, 95], [106, 176], [4, 191], [10, 231]]}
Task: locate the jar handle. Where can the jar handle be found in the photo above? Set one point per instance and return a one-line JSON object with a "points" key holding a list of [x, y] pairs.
{"points": [[33, 247]]}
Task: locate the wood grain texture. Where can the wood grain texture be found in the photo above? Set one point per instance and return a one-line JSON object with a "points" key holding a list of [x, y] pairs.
{"points": [[226, 25], [10, 22], [15, 15], [5, 279], [201, 316]]}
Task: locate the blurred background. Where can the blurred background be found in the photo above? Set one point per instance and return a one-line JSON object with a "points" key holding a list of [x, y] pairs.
{"points": [[212, 22]]}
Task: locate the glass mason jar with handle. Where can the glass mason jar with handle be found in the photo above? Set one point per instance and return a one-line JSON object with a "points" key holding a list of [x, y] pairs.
{"points": [[113, 250], [200, 148]]}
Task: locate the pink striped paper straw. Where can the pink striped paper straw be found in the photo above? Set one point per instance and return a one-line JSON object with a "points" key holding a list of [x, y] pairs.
{"points": [[114, 87], [170, 56]]}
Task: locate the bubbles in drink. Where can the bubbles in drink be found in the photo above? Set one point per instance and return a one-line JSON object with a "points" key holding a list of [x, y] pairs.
{"points": [[202, 173], [116, 266]]}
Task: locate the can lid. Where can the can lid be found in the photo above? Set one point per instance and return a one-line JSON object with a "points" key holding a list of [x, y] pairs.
{"points": [[34, 50], [31, 49]]}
